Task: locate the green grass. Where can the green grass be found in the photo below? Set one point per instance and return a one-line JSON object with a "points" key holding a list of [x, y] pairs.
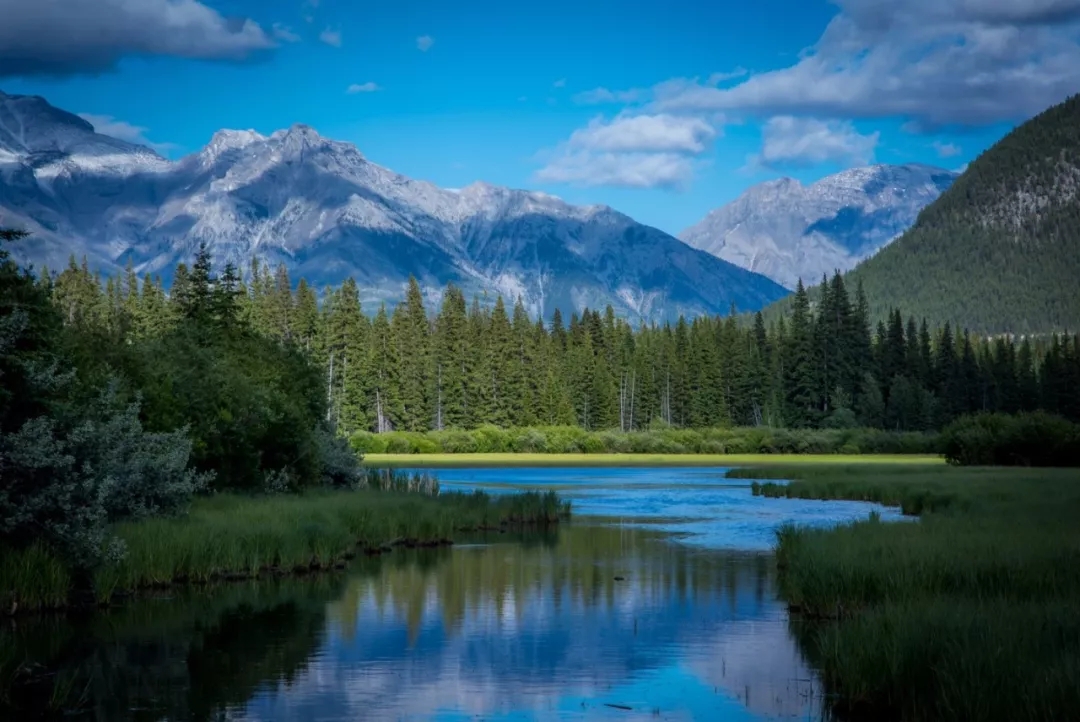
{"points": [[508, 460], [241, 536], [970, 613]]}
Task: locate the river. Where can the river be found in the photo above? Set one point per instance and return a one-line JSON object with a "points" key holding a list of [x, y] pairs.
{"points": [[656, 602]]}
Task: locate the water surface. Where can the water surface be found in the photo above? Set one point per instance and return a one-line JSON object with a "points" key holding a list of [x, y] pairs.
{"points": [[657, 602]]}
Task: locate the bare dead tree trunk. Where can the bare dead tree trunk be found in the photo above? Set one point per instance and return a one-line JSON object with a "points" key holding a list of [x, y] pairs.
{"points": [[438, 404], [330, 390]]}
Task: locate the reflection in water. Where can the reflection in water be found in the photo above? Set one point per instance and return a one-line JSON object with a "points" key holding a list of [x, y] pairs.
{"points": [[503, 630], [578, 624]]}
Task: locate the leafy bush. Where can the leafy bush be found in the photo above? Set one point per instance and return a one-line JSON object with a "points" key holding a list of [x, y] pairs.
{"points": [[662, 440], [455, 441], [365, 442], [1034, 439]]}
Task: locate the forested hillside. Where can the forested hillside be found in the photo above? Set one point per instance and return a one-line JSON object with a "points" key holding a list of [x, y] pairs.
{"points": [[468, 364], [1000, 250]]}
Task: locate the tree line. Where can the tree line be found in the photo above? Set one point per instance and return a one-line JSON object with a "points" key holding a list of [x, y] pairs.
{"points": [[122, 406], [470, 363]]}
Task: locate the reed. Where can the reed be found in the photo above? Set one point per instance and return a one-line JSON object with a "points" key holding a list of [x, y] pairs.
{"points": [[970, 613], [234, 537]]}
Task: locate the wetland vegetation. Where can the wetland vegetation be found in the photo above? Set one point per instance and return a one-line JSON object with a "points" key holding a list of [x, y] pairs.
{"points": [[969, 614]]}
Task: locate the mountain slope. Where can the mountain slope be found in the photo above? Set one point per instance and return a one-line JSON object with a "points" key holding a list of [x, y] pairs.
{"points": [[1000, 250], [786, 231], [328, 213]]}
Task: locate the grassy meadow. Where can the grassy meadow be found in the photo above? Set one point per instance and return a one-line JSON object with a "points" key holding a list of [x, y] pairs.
{"points": [[234, 536], [972, 613]]}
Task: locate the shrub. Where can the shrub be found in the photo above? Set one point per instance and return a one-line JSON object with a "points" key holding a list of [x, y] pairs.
{"points": [[455, 441], [365, 442], [492, 440], [565, 439], [529, 441], [1035, 439]]}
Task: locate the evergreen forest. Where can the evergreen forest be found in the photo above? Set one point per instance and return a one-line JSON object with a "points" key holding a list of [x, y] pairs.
{"points": [[999, 251], [468, 363]]}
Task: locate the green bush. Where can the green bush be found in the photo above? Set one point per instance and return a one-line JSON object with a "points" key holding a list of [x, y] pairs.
{"points": [[455, 441], [658, 440], [365, 442], [529, 441], [565, 439], [1035, 439], [492, 440]]}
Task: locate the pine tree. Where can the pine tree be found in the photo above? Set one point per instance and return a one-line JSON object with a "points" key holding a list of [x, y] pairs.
{"points": [[800, 380]]}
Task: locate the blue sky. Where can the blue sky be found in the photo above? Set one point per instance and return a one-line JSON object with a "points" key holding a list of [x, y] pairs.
{"points": [[663, 110]]}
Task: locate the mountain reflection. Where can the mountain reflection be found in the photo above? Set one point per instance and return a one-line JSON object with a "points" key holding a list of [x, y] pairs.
{"points": [[548, 627]]}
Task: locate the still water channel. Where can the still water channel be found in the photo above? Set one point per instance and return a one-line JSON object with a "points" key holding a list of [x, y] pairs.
{"points": [[656, 602]]}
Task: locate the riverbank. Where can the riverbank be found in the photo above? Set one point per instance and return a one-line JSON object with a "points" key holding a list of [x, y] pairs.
{"points": [[973, 613], [511, 460], [232, 537]]}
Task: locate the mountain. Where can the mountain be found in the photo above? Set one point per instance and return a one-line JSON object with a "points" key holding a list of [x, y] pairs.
{"points": [[1000, 250], [328, 213], [786, 231]]}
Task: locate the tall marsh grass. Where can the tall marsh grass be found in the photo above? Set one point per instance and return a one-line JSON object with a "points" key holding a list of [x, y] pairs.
{"points": [[229, 535], [970, 613]]}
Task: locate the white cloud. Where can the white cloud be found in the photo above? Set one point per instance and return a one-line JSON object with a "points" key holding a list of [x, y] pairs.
{"points": [[368, 87], [936, 62], [424, 43], [640, 151], [650, 133], [946, 150], [560, 83], [122, 130], [789, 141], [633, 170], [600, 96], [285, 34], [70, 37], [331, 37]]}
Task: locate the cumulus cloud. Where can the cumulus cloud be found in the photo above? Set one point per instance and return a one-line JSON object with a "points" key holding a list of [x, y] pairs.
{"points": [[122, 130], [601, 96], [424, 43], [639, 151], [789, 141], [331, 37], [649, 133], [946, 150], [936, 62], [69, 37], [368, 87], [631, 170]]}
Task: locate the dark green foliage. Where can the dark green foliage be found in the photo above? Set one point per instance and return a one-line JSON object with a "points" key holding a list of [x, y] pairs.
{"points": [[470, 365], [73, 458], [1029, 439]]}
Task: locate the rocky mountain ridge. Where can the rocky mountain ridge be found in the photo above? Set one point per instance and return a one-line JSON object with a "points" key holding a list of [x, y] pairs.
{"points": [[323, 209]]}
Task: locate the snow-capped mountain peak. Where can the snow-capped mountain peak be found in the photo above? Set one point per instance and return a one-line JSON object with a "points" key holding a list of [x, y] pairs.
{"points": [[321, 208], [787, 230]]}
